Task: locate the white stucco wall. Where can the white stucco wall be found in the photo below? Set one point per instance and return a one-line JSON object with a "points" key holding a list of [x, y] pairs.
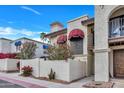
{"points": [[102, 50], [8, 64], [5, 46], [65, 70], [77, 70], [34, 63], [61, 68]]}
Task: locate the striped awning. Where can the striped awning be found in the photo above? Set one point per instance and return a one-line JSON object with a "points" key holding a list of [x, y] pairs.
{"points": [[62, 39], [76, 33]]}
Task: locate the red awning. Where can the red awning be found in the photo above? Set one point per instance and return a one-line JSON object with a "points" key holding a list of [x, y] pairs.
{"points": [[61, 39], [76, 33]]}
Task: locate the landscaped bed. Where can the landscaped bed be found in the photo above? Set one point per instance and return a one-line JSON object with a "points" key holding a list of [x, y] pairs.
{"points": [[60, 65], [56, 80], [66, 71], [95, 84]]}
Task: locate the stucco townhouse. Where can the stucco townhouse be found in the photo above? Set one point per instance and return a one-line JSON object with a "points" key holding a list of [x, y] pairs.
{"points": [[109, 42], [14, 46], [79, 34]]}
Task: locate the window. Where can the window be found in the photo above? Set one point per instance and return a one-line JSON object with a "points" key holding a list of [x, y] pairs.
{"points": [[77, 46], [116, 27]]}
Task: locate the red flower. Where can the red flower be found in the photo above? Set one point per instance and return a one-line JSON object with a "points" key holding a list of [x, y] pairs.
{"points": [[7, 55], [27, 68]]}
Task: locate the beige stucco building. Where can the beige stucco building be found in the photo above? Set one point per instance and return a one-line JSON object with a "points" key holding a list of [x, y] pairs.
{"points": [[79, 35], [109, 42]]}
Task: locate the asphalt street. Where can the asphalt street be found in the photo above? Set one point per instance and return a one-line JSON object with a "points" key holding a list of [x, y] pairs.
{"points": [[5, 84]]}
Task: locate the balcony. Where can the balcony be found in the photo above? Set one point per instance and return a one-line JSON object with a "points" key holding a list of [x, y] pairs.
{"points": [[116, 31], [116, 39]]}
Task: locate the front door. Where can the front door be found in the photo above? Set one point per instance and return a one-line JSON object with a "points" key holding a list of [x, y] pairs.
{"points": [[118, 58]]}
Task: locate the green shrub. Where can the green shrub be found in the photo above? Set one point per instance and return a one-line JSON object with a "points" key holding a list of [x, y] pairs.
{"points": [[60, 52], [27, 51]]}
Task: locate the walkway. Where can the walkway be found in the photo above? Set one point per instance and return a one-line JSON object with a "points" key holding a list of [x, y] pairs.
{"points": [[13, 80], [119, 83], [35, 83]]}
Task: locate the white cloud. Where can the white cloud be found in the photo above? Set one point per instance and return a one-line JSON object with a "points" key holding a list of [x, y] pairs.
{"points": [[13, 31], [6, 31], [27, 32], [37, 39], [30, 9]]}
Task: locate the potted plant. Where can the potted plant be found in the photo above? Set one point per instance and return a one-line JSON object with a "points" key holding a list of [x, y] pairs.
{"points": [[27, 71]]}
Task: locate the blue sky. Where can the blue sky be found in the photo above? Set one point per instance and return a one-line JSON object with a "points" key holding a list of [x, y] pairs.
{"points": [[30, 20]]}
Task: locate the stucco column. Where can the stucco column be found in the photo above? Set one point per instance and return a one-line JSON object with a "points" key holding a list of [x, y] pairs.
{"points": [[102, 65], [101, 44]]}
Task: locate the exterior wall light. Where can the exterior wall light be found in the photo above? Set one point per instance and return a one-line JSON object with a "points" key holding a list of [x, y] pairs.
{"points": [[101, 6]]}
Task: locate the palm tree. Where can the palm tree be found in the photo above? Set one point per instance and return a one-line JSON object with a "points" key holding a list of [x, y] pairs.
{"points": [[42, 36]]}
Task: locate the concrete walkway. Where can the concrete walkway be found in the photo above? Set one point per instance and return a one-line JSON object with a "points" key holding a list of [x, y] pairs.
{"points": [[36, 83], [28, 82], [119, 83]]}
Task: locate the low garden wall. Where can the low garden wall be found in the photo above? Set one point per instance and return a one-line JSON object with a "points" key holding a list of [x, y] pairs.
{"points": [[34, 63], [8, 64], [65, 70]]}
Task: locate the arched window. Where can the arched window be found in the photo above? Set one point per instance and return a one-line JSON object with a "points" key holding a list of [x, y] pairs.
{"points": [[116, 23]]}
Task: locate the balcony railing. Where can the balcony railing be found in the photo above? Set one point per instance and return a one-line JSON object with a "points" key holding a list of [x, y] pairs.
{"points": [[116, 27]]}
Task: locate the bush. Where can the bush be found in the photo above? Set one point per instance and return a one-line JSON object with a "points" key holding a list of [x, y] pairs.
{"points": [[27, 51], [61, 52], [27, 71]]}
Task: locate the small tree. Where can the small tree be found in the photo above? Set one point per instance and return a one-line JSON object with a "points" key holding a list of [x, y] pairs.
{"points": [[27, 51], [61, 52]]}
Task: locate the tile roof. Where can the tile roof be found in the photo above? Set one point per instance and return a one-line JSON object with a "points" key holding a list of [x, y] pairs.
{"points": [[56, 32]]}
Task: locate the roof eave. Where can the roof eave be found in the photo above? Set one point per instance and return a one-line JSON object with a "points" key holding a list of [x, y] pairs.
{"points": [[54, 33], [88, 22]]}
